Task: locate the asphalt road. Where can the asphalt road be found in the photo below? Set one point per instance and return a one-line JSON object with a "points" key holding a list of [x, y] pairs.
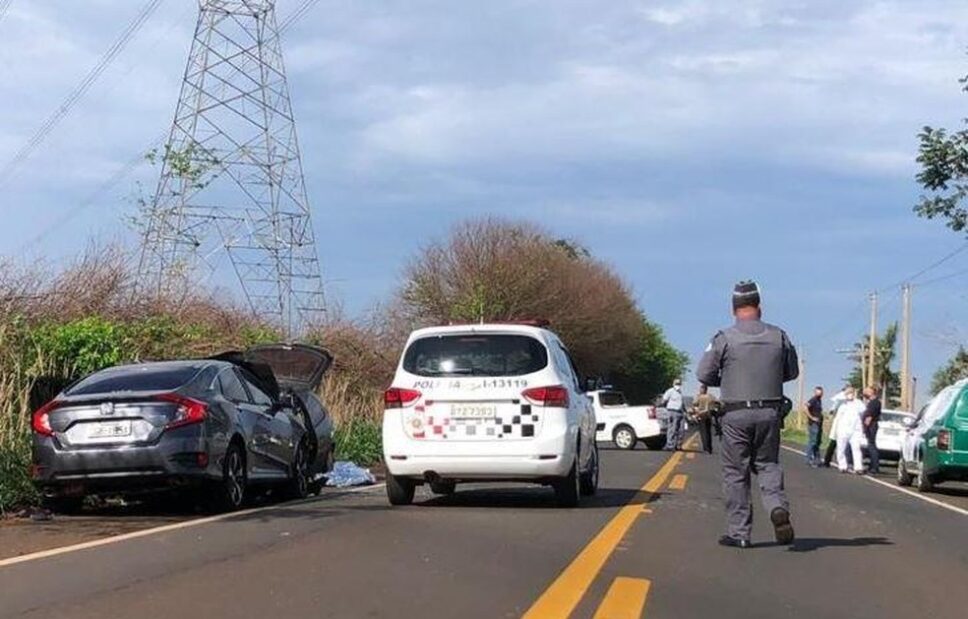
{"points": [[645, 546]]}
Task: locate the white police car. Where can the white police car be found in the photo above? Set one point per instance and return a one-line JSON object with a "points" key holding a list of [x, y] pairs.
{"points": [[488, 402]]}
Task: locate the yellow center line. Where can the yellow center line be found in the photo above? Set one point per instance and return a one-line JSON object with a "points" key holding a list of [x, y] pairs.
{"points": [[678, 482], [625, 599], [563, 595]]}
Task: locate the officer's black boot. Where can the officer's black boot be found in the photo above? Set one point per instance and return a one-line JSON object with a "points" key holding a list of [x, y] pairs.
{"points": [[782, 528]]}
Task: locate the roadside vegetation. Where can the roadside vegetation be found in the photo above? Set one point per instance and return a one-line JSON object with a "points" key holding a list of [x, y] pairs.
{"points": [[58, 325]]}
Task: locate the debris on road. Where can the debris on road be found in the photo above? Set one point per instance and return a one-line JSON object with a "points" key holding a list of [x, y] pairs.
{"points": [[346, 474]]}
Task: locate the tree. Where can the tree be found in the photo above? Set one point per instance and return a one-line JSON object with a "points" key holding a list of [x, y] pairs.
{"points": [[652, 367], [943, 157], [495, 270], [889, 380], [951, 372]]}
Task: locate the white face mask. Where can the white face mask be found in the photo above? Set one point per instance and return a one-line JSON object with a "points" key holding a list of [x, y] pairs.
{"points": [[677, 387]]}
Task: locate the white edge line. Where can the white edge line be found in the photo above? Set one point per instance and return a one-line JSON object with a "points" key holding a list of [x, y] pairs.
{"points": [[104, 541], [957, 510]]}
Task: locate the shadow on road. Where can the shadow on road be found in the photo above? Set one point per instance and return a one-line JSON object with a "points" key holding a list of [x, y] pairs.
{"points": [[537, 498], [809, 544]]}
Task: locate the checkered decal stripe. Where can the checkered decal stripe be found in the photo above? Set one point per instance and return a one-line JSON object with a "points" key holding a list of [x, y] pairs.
{"points": [[523, 425]]}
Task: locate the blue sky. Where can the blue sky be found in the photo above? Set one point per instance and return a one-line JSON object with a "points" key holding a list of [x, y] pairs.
{"points": [[689, 144]]}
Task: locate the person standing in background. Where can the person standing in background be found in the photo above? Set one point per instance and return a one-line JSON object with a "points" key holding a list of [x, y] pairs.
{"points": [[703, 409], [814, 426], [835, 403], [847, 428], [673, 402], [871, 419]]}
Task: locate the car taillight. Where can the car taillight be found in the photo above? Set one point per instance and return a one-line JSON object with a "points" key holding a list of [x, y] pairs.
{"points": [[650, 410], [395, 397], [944, 440], [189, 410], [40, 421], [556, 396]]}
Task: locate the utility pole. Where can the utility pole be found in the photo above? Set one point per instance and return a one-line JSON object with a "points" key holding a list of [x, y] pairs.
{"points": [[872, 344], [907, 402]]}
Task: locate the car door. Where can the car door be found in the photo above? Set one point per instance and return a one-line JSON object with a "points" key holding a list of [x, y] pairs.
{"points": [[273, 431], [585, 410]]}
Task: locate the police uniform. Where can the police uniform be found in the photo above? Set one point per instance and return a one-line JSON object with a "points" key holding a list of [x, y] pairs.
{"points": [[749, 362], [703, 408]]}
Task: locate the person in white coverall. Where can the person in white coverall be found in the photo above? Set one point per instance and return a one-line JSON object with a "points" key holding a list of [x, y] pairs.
{"points": [[848, 430]]}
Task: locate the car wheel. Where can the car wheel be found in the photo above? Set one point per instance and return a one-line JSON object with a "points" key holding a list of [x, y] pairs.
{"points": [[923, 481], [230, 494], [589, 479], [298, 485], [903, 477], [655, 443], [624, 437], [68, 505], [443, 487], [400, 490], [567, 489]]}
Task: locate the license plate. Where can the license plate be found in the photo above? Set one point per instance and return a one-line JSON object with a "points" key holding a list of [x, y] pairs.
{"points": [[472, 411], [113, 429]]}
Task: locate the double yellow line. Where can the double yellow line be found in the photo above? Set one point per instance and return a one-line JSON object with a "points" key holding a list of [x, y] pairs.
{"points": [[626, 594]]}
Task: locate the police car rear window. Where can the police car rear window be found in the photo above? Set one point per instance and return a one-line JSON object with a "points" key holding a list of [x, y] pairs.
{"points": [[475, 355], [612, 398], [135, 378]]}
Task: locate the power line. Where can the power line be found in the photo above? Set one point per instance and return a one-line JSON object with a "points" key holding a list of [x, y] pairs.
{"points": [[4, 5], [297, 14], [137, 159], [93, 197], [933, 265], [943, 278], [79, 91]]}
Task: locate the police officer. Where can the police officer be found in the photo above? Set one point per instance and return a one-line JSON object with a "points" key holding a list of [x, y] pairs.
{"points": [[703, 408], [749, 362]]}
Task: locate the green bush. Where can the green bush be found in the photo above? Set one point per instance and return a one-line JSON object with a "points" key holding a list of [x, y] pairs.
{"points": [[359, 440], [82, 346], [16, 488]]}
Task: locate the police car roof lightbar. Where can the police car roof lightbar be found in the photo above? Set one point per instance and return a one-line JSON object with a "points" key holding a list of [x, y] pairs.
{"points": [[530, 322]]}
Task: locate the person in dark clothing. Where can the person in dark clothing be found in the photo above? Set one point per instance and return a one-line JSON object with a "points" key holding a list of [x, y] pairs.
{"points": [[749, 361], [871, 419], [814, 426]]}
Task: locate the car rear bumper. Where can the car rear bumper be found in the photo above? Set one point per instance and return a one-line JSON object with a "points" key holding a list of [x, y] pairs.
{"points": [[548, 455], [170, 462]]}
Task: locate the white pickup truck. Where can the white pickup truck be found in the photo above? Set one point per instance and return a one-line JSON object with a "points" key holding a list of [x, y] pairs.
{"points": [[625, 425]]}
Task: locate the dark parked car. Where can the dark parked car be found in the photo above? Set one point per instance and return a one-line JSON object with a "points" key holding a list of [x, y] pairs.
{"points": [[224, 425]]}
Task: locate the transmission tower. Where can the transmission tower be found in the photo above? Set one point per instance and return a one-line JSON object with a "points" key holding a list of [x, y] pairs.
{"points": [[231, 177]]}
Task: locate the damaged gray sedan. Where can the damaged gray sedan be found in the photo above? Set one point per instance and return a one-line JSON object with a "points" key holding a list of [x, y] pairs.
{"points": [[221, 428]]}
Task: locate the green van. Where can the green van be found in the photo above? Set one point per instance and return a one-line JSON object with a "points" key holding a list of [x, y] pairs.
{"points": [[935, 448]]}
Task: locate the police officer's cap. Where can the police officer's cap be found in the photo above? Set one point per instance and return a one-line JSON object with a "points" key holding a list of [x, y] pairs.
{"points": [[746, 294]]}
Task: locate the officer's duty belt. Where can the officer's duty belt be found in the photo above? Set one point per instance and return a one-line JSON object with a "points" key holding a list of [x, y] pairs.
{"points": [[752, 405]]}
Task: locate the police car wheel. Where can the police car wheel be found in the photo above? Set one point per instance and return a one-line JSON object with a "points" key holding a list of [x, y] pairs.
{"points": [[624, 437], [400, 490], [566, 488], [589, 479], [903, 477]]}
